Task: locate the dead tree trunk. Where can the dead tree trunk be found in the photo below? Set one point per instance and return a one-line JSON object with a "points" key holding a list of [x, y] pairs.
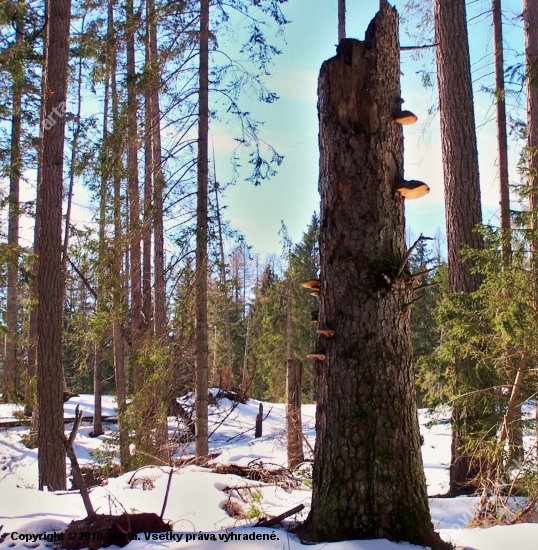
{"points": [[294, 428], [368, 479]]}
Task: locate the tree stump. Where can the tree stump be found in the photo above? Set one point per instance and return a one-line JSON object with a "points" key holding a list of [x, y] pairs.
{"points": [[368, 479], [258, 431]]}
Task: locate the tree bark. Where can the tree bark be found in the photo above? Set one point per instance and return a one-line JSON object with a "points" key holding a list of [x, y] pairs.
{"points": [[201, 352], [462, 197], [11, 366], [368, 479], [51, 457]]}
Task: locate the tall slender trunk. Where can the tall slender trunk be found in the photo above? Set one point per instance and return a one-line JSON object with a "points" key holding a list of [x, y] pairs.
{"points": [[201, 352], [228, 381], [530, 30], [11, 368], [101, 278], [462, 201], [72, 163], [515, 433], [134, 195], [502, 140], [51, 438], [148, 182], [117, 279], [34, 289]]}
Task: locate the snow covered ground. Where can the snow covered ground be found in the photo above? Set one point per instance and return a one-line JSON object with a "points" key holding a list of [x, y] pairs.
{"points": [[198, 498]]}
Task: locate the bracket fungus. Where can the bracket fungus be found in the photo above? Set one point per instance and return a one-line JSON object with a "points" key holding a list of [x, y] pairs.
{"points": [[326, 332], [412, 189], [316, 355], [312, 284], [403, 117], [314, 316]]}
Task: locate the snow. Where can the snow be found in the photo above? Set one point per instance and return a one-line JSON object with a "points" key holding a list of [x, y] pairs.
{"points": [[198, 498]]}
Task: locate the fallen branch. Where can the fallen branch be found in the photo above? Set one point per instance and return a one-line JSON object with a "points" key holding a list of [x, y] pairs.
{"points": [[278, 519]]}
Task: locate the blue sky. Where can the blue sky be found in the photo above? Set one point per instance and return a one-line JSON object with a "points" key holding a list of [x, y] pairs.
{"points": [[291, 124]]}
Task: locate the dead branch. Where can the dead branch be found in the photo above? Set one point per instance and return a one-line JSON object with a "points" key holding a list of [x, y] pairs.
{"points": [[409, 252], [75, 468]]}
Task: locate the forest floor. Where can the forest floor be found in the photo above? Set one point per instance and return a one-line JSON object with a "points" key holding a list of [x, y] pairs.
{"points": [[199, 499]]}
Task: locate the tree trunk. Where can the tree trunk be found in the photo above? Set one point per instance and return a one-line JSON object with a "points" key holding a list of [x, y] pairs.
{"points": [[117, 279], [201, 237], [530, 26], [148, 193], [462, 198], [228, 378], [51, 438], [294, 427], [134, 196], [368, 479], [502, 140], [11, 366]]}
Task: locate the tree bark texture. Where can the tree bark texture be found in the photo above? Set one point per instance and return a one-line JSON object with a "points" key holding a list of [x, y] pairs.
{"points": [[11, 367], [201, 351], [51, 438], [294, 427], [368, 479], [462, 195]]}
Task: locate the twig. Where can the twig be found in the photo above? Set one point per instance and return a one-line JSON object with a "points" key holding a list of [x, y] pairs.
{"points": [[83, 277], [421, 47], [421, 273], [417, 299], [308, 444], [426, 286], [167, 491], [409, 251], [525, 510], [278, 519]]}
